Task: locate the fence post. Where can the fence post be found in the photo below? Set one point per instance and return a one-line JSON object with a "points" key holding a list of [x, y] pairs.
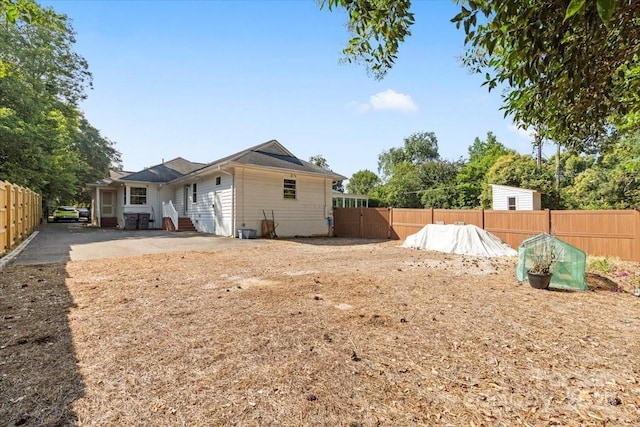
{"points": [[390, 223], [361, 222], [637, 234], [4, 243], [431, 222], [482, 217], [548, 221], [10, 213]]}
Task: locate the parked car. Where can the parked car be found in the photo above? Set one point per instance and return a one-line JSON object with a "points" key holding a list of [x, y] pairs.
{"points": [[84, 213], [66, 212]]}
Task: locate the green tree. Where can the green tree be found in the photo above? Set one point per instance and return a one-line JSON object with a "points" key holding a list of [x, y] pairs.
{"points": [[362, 182], [402, 190], [518, 170], [418, 148], [97, 155], [567, 72], [472, 178], [613, 182], [45, 144], [28, 11], [377, 28], [438, 184], [570, 69]]}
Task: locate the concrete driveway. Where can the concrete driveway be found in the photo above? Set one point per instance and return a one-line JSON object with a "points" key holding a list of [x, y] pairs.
{"points": [[66, 241]]}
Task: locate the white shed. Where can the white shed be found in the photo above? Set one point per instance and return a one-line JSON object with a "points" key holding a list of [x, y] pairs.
{"points": [[507, 198]]}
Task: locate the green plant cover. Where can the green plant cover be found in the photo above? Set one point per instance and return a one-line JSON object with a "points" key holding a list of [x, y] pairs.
{"points": [[569, 267]]}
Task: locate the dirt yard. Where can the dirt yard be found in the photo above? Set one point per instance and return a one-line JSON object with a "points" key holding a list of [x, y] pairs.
{"points": [[315, 332]]}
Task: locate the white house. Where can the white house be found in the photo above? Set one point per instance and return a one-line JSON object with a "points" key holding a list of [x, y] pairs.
{"points": [[221, 197], [515, 199]]}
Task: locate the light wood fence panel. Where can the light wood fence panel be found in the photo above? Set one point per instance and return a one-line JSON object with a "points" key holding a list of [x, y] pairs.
{"points": [[600, 233], [20, 214], [376, 223], [405, 222], [4, 213], [462, 216], [512, 227], [347, 222]]}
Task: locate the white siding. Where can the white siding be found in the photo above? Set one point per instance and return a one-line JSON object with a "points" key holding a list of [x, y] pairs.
{"points": [[526, 200], [212, 212], [178, 202], [258, 191], [153, 207]]}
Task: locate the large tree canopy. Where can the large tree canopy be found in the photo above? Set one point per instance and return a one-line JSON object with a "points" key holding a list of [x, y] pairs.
{"points": [[571, 69], [28, 11], [45, 144], [419, 147], [566, 76]]}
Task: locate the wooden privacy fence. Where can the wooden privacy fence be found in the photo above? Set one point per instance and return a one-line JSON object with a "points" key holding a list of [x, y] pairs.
{"points": [[20, 214], [614, 233]]}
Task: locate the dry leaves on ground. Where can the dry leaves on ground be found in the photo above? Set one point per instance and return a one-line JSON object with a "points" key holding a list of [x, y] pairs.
{"points": [[313, 332]]}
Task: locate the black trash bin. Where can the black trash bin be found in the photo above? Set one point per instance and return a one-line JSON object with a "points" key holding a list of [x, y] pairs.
{"points": [[143, 221], [130, 221]]}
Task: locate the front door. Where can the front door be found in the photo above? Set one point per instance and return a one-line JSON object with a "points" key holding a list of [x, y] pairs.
{"points": [[107, 202], [185, 198]]}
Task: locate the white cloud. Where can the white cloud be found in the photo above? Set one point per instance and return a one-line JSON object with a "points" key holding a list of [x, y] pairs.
{"points": [[392, 100], [388, 100]]}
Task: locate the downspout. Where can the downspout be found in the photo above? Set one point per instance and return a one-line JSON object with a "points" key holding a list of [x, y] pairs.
{"points": [[233, 200]]}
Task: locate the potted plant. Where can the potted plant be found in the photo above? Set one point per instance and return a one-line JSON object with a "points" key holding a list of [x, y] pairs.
{"points": [[543, 260]]}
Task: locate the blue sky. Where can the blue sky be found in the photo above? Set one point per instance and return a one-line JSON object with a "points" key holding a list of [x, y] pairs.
{"points": [[205, 79]]}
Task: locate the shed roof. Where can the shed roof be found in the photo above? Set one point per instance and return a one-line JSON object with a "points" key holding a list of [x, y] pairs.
{"points": [[515, 188]]}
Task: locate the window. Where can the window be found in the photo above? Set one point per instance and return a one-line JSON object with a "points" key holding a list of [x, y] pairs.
{"points": [[511, 203], [289, 188], [138, 196], [194, 193], [218, 180]]}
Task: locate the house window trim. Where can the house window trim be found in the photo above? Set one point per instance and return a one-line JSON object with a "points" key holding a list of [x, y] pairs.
{"points": [[194, 193], [289, 190], [138, 197], [218, 180], [512, 206]]}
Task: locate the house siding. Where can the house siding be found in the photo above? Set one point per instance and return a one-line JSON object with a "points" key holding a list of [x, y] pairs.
{"points": [[155, 195], [525, 200], [258, 191], [212, 212]]}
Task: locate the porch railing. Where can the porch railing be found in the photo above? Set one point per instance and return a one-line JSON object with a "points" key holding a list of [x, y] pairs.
{"points": [[169, 211]]}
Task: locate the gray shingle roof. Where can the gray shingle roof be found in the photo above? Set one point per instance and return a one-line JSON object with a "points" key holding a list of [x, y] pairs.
{"points": [[272, 154], [164, 172]]}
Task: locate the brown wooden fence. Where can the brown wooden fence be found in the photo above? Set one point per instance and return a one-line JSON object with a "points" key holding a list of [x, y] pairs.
{"points": [[20, 214], [614, 233]]}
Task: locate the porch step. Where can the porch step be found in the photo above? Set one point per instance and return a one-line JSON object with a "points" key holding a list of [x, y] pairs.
{"points": [[108, 222], [185, 224]]}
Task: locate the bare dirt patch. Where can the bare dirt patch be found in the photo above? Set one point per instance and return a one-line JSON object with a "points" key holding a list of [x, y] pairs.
{"points": [[314, 332]]}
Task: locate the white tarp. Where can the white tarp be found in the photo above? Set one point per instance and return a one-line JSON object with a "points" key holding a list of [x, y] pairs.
{"points": [[458, 239]]}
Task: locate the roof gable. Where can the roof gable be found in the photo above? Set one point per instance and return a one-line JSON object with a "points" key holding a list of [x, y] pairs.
{"points": [[164, 172], [272, 155], [507, 187]]}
